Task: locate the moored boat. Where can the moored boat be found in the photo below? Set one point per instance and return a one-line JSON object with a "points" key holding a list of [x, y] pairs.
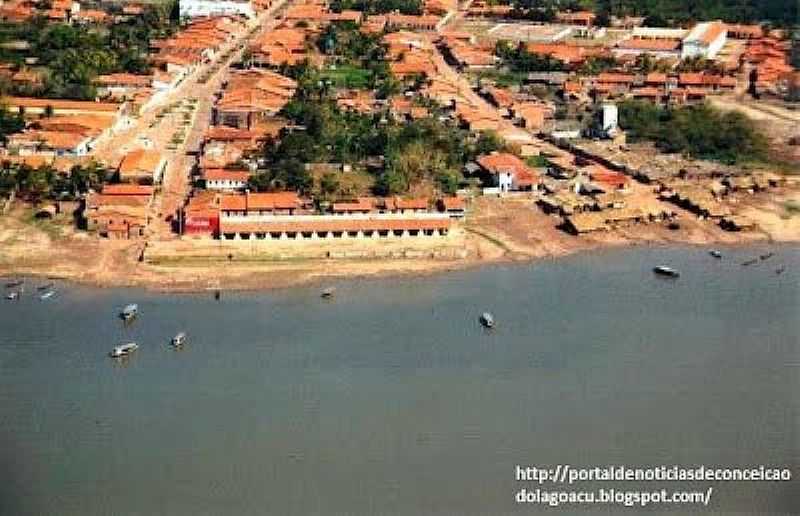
{"points": [[46, 286], [780, 270], [715, 253], [328, 293], [663, 270], [12, 296], [766, 256], [14, 284], [123, 350], [487, 320], [47, 295], [749, 262], [129, 312], [179, 339]]}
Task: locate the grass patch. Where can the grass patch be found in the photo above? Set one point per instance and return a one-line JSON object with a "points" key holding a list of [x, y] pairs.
{"points": [[503, 78], [348, 76], [537, 161]]}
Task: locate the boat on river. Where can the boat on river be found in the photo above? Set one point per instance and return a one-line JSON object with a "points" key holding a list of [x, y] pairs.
{"points": [[663, 270], [123, 350], [328, 293], [179, 339], [715, 253], [487, 320], [47, 295], [129, 312]]}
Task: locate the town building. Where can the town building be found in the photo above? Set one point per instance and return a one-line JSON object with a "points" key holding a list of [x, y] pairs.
{"points": [[508, 173], [206, 8], [224, 179], [142, 166], [705, 40], [119, 211]]}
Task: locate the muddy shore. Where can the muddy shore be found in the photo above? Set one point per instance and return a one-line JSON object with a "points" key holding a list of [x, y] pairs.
{"points": [[496, 232]]}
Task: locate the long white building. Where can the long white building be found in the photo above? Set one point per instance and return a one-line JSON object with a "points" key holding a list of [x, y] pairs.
{"points": [[201, 8]]}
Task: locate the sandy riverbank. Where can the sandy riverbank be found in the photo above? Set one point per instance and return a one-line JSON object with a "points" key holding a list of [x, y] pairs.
{"points": [[497, 231]]}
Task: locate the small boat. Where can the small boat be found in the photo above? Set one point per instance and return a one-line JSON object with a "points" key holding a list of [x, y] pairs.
{"points": [[123, 350], [766, 256], [14, 284], [715, 254], [780, 270], [47, 295], [12, 296], [487, 320], [328, 293], [129, 312], [749, 262], [217, 295], [179, 339], [663, 270], [46, 286]]}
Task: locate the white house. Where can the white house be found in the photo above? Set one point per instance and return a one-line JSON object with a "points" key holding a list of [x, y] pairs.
{"points": [[222, 179], [705, 40]]}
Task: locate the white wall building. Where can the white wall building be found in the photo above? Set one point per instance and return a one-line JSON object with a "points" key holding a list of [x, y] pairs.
{"points": [[199, 8], [610, 118], [705, 40]]}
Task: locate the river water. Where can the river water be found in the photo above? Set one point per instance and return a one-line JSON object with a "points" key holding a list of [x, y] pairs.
{"points": [[391, 399]]}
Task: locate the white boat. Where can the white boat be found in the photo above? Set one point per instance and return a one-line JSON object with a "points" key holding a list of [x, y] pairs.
{"points": [[179, 339], [663, 270], [47, 295], [123, 350], [487, 320], [715, 254], [12, 296], [328, 292], [129, 312]]}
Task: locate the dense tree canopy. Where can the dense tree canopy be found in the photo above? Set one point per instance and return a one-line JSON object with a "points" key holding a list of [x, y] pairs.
{"points": [[378, 6], [518, 59], [359, 59], [699, 131], [44, 182], [72, 56], [424, 150], [10, 123]]}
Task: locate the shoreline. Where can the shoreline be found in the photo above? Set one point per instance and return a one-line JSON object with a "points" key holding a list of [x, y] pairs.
{"points": [[497, 232], [152, 279]]}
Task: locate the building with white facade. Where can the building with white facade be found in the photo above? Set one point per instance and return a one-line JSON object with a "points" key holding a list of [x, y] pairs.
{"points": [[202, 8], [705, 40]]}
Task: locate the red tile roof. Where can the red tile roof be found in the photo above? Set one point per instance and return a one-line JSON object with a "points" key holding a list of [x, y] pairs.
{"points": [[127, 189], [497, 162], [644, 44], [267, 201], [223, 174], [335, 224]]}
